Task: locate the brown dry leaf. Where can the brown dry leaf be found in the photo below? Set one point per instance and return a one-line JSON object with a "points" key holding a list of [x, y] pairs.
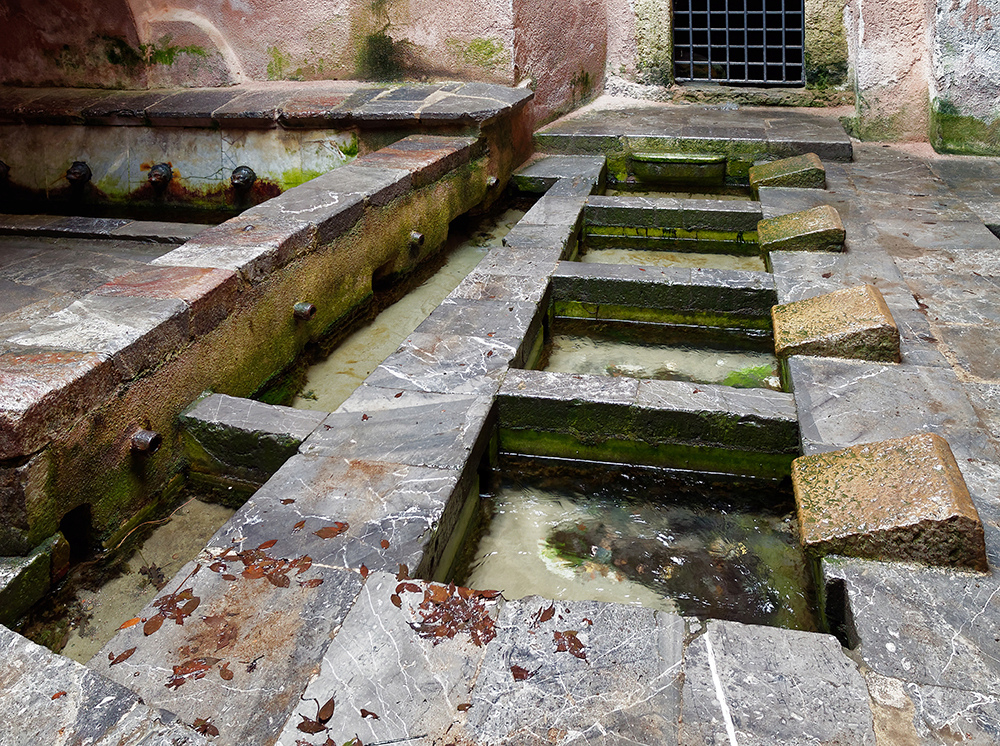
{"points": [[120, 657], [287, 501], [130, 623], [229, 577], [488, 594], [152, 624], [364, 572], [308, 725], [225, 673], [396, 601], [225, 637], [438, 593], [404, 572], [547, 614], [368, 714], [520, 674], [465, 706], [277, 579], [385, 543], [268, 544], [299, 526], [328, 532], [311, 583], [326, 711], [57, 695], [203, 726]]}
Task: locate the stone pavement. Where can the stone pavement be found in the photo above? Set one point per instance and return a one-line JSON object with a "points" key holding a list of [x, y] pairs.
{"points": [[299, 623]]}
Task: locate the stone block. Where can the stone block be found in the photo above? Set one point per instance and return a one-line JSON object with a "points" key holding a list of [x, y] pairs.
{"points": [[244, 439], [609, 672], [426, 157], [760, 686], [25, 580], [852, 323], [901, 499], [818, 229], [542, 174], [801, 171]]}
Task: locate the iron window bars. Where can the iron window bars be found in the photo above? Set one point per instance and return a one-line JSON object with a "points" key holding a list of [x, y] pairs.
{"points": [[739, 41]]}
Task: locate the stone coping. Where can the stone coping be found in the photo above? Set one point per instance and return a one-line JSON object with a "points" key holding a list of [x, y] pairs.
{"points": [[56, 226], [323, 104]]}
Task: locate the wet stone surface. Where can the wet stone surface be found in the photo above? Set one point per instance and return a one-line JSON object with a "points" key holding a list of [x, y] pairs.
{"points": [[818, 229], [801, 171]]}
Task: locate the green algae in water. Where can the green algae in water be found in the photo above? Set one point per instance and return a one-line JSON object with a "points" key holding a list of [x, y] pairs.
{"points": [[732, 357], [700, 545]]}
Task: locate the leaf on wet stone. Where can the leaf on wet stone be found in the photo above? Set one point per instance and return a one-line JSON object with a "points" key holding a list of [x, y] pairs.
{"points": [[545, 615], [328, 532], [326, 711], [368, 714], [465, 706], [308, 725], [229, 577], [287, 501], [226, 673], [404, 572], [278, 579], [396, 601], [116, 659], [568, 642], [130, 623], [520, 674], [385, 543], [437, 593], [203, 726], [364, 572], [268, 544], [152, 624], [196, 668], [298, 526], [311, 583]]}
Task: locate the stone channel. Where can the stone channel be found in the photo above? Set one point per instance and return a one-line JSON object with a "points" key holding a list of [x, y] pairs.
{"points": [[314, 616]]}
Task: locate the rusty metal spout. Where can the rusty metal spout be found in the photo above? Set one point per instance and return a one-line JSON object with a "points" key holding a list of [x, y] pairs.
{"points": [[242, 178], [160, 175], [78, 174], [145, 442]]}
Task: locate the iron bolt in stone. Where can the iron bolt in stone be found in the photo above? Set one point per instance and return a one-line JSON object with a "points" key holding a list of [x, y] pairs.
{"points": [[78, 174], [243, 177], [492, 181], [145, 442], [160, 175], [416, 239], [304, 310]]}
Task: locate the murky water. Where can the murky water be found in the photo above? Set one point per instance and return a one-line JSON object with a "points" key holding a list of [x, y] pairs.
{"points": [[679, 542], [91, 607], [331, 381], [728, 193], [654, 258], [659, 352]]}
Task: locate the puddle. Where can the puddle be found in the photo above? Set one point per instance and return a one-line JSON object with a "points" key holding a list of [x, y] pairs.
{"points": [[330, 381], [86, 612], [654, 258], [694, 544], [662, 352]]}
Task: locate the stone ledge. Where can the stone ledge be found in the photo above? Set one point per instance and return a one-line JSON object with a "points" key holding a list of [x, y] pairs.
{"points": [[800, 171], [546, 172], [818, 229], [853, 323], [902, 499]]}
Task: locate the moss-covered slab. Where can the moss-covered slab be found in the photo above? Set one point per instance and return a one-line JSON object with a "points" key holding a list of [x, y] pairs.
{"points": [[803, 171], [817, 229], [902, 499], [853, 323]]}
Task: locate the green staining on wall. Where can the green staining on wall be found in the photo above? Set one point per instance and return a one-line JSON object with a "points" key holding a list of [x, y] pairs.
{"points": [[487, 54], [954, 132], [654, 40], [825, 43]]}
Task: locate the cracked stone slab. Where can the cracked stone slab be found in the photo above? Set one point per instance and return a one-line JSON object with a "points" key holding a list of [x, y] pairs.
{"points": [[846, 402], [906, 712], [800, 171], [817, 229], [902, 499], [389, 513], [233, 637], [54, 700], [401, 667], [242, 438], [761, 686], [929, 626], [851, 323], [597, 673], [405, 427]]}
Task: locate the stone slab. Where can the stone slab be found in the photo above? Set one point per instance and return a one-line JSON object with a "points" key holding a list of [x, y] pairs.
{"points": [[401, 667], [542, 174], [24, 581], [599, 673], [49, 699], [928, 626], [800, 171], [426, 157], [902, 499], [760, 686], [852, 323], [233, 638], [818, 229], [244, 439]]}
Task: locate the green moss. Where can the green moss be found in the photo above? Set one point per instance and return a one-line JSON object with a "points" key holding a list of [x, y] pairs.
{"points": [[119, 52], [953, 132], [485, 53], [749, 378], [580, 310], [349, 149]]}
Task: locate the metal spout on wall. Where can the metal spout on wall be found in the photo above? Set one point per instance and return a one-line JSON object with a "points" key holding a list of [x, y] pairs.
{"points": [[242, 178], [145, 442], [304, 310], [78, 174], [160, 175]]}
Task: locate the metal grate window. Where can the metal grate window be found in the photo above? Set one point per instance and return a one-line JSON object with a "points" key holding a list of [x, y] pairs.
{"points": [[739, 41]]}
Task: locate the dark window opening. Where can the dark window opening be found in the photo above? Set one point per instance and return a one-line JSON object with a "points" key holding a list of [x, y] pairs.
{"points": [[755, 42]]}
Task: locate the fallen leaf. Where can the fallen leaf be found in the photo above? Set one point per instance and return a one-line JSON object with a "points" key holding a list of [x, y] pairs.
{"points": [[488, 594], [364, 572], [438, 593], [298, 526], [287, 501], [203, 726], [326, 711], [268, 544], [465, 706], [130, 623], [396, 601], [404, 572], [152, 624], [225, 637], [398, 395], [547, 614], [308, 725], [57, 695], [121, 657], [364, 418], [279, 580], [225, 673], [368, 714], [311, 583], [229, 577], [328, 532], [385, 543], [568, 642], [520, 674]]}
